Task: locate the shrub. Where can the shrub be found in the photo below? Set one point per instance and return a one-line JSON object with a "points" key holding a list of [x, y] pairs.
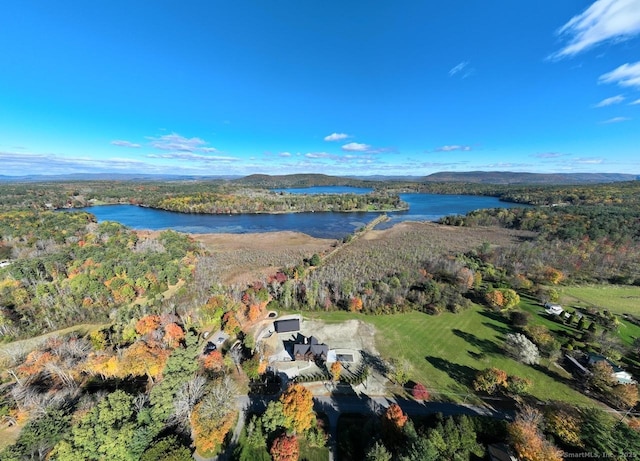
{"points": [[490, 380]]}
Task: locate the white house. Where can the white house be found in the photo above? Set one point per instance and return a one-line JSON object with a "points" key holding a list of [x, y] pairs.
{"points": [[553, 309]]}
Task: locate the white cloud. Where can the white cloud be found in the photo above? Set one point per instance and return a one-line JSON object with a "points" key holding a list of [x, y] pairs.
{"points": [[625, 75], [610, 101], [453, 148], [175, 142], [336, 137], [616, 120], [635, 103], [285, 154], [356, 147], [458, 68], [122, 143], [604, 20]]}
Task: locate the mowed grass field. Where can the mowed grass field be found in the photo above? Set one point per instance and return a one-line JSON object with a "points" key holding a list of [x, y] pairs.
{"points": [[614, 298], [447, 350]]}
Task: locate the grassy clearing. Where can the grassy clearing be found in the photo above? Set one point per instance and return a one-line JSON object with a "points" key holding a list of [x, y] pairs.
{"points": [[447, 350], [615, 298], [539, 317]]}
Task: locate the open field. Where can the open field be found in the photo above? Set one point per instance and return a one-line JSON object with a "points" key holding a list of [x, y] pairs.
{"points": [[243, 258], [447, 350], [614, 298]]}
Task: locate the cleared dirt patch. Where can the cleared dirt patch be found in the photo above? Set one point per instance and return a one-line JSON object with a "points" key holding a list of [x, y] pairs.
{"points": [[351, 334]]}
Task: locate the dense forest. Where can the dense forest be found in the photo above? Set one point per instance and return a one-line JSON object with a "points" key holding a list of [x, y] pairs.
{"points": [[103, 329]]}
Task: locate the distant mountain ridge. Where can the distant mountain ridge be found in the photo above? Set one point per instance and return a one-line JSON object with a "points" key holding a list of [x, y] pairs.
{"points": [[314, 179], [507, 177]]}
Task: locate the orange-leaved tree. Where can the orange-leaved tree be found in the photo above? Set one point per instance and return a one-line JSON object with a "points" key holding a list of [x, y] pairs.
{"points": [[527, 439], [336, 369], [173, 334], [297, 403], [394, 416]]}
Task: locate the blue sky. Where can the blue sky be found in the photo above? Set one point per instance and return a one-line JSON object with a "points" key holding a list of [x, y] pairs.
{"points": [[334, 87]]}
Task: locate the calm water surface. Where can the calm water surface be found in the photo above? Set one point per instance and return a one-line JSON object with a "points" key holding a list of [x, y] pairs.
{"points": [[423, 207]]}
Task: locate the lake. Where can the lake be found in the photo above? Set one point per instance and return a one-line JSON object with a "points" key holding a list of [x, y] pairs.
{"points": [[423, 207]]}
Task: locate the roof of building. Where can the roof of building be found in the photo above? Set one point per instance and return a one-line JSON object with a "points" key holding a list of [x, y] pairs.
{"points": [[287, 325], [500, 452], [310, 345]]}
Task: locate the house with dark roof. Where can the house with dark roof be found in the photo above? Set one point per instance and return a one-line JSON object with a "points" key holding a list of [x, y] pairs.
{"points": [[622, 376], [287, 325], [310, 349]]}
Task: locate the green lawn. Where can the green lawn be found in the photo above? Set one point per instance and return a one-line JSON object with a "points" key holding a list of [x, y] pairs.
{"points": [[615, 298], [447, 350], [539, 316]]}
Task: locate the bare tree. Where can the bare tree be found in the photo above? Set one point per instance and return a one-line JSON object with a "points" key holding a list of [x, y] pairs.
{"points": [[190, 393]]}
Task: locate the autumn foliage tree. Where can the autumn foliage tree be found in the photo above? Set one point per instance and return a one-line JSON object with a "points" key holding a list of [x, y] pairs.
{"points": [[213, 361], [527, 438], [625, 395], [147, 324], [394, 417], [355, 304], [336, 369], [173, 334], [419, 392], [297, 403], [285, 448], [393, 421], [490, 380]]}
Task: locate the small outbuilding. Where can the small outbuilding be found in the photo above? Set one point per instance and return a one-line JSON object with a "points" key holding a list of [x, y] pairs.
{"points": [[287, 325]]}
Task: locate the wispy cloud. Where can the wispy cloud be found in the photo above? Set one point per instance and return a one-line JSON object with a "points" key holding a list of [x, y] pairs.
{"points": [[193, 157], [342, 159], [51, 164], [122, 143], [458, 68], [610, 101], [285, 154], [336, 137], [320, 155], [549, 155], [175, 142], [615, 120], [603, 21], [588, 161], [625, 75], [635, 103], [453, 148], [356, 147]]}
